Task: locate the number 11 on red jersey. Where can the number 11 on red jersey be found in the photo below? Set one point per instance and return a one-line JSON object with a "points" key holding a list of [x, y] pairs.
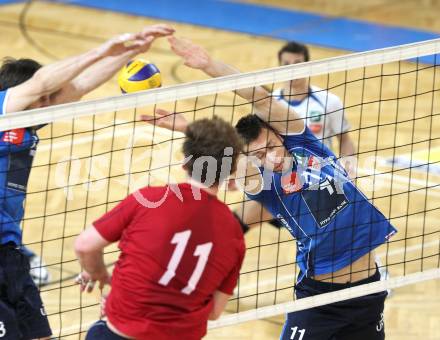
{"points": [[202, 251]]}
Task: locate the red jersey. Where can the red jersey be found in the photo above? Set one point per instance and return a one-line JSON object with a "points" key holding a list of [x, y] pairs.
{"points": [[174, 256]]}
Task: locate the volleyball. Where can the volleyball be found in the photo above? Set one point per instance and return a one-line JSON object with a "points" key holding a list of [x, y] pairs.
{"points": [[139, 75]]}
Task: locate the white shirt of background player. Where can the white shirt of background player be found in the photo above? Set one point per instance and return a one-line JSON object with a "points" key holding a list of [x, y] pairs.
{"points": [[310, 100], [323, 111]]}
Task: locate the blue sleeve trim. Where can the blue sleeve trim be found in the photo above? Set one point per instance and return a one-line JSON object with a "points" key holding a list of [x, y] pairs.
{"points": [[3, 97]]}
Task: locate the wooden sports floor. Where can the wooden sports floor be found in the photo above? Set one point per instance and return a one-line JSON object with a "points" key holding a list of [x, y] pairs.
{"points": [[47, 31]]}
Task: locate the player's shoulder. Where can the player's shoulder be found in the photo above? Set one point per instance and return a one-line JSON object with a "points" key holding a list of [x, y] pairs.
{"points": [[222, 210], [149, 194], [324, 95]]}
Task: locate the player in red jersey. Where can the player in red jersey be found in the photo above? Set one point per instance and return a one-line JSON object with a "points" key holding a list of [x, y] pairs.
{"points": [[181, 248]]}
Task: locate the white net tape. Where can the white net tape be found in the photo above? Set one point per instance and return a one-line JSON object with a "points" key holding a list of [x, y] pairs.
{"points": [[326, 298]]}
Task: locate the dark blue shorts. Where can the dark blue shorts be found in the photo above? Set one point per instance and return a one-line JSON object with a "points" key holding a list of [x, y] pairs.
{"points": [[22, 315], [360, 318], [100, 331]]}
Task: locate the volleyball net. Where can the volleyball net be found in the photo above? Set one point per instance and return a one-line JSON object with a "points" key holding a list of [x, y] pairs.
{"points": [[92, 154]]}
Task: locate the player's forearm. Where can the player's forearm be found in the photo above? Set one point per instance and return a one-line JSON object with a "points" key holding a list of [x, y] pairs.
{"points": [[257, 94], [92, 262], [346, 145], [347, 154], [53, 77], [89, 248], [282, 117], [217, 68], [100, 72], [253, 213]]}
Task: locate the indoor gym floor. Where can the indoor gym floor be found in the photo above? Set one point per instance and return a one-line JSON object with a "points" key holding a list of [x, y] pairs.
{"points": [[51, 31]]}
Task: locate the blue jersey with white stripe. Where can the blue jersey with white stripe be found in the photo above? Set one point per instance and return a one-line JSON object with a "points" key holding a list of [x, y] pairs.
{"points": [[333, 222], [17, 149]]}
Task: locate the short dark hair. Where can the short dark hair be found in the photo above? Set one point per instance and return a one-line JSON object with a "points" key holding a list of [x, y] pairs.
{"points": [[16, 71], [294, 47], [215, 139], [249, 127]]}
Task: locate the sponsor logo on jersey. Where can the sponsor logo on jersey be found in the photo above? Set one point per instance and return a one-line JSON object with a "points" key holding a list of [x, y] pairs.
{"points": [[314, 121], [315, 128], [284, 222], [291, 183], [307, 162], [309, 174], [15, 136], [315, 116], [306, 165], [325, 201]]}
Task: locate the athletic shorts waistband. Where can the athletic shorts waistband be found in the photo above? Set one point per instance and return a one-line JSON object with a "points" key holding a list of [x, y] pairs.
{"points": [[9, 245], [324, 286]]}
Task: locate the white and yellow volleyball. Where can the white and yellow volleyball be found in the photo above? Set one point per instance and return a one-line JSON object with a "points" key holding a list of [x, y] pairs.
{"points": [[139, 75]]}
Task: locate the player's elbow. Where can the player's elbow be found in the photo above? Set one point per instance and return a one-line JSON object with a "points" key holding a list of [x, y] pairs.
{"points": [[79, 247], [41, 82], [220, 301], [82, 246], [71, 92], [214, 315], [90, 242]]}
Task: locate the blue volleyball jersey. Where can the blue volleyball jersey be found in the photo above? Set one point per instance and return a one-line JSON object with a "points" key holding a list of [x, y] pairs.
{"points": [[332, 221], [17, 149]]}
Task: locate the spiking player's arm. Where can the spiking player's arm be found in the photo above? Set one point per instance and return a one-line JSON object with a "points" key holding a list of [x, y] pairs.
{"points": [[51, 78], [220, 302], [167, 120], [248, 176], [280, 116], [103, 70]]}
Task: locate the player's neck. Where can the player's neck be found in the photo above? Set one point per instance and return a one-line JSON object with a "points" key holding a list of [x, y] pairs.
{"points": [[213, 190], [296, 93]]}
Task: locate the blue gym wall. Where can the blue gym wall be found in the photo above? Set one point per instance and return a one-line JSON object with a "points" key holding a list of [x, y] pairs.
{"points": [[335, 32]]}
